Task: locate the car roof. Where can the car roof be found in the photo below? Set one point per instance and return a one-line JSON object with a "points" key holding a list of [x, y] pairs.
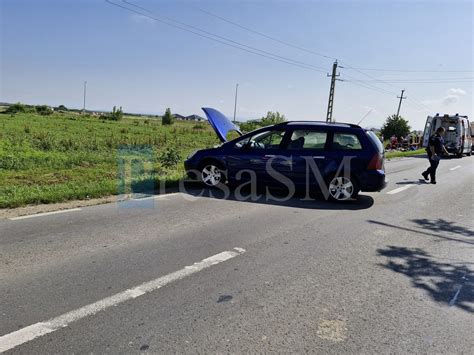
{"points": [[319, 123]]}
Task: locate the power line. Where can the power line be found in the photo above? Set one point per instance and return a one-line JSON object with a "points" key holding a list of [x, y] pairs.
{"points": [[415, 70], [429, 80], [229, 42], [371, 87], [265, 35], [383, 91], [301, 49], [415, 101], [137, 6], [220, 39]]}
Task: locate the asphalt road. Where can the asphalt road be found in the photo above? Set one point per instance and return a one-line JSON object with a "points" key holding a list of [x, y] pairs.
{"points": [[392, 272]]}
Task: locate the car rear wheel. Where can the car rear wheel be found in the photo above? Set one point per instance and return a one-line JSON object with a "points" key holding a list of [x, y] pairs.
{"points": [[342, 188], [212, 174]]}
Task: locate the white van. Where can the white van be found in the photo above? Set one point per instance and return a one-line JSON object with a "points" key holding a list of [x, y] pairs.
{"points": [[458, 136], [472, 135]]}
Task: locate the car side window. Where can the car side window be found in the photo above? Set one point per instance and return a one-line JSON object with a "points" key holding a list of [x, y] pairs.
{"points": [[346, 141], [266, 140], [307, 139], [242, 142]]}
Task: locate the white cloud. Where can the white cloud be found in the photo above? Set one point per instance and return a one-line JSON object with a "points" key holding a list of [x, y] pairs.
{"points": [[452, 97], [457, 91], [450, 100]]}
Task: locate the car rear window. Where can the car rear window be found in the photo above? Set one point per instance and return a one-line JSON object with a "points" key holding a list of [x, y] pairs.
{"points": [[378, 144], [307, 139], [346, 141]]}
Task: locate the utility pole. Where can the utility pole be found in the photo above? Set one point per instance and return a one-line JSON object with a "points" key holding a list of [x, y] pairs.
{"points": [[85, 88], [235, 103], [331, 91], [400, 103]]}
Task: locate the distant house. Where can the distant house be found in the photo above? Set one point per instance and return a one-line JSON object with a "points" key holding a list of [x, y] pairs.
{"points": [[194, 118], [178, 117]]}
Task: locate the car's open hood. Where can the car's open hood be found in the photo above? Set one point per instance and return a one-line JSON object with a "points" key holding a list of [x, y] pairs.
{"points": [[221, 124]]}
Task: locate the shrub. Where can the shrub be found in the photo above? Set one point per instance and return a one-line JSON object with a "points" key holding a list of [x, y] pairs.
{"points": [[44, 110], [270, 119], [199, 126], [115, 115], [167, 118], [170, 157], [15, 108]]}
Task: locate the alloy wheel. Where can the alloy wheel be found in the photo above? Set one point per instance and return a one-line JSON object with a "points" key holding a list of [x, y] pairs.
{"points": [[341, 188], [211, 175]]}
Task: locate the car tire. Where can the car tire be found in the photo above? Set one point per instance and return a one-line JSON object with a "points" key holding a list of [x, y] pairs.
{"points": [[342, 188], [212, 174]]}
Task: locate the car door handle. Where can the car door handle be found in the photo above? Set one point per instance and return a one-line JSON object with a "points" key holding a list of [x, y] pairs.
{"points": [[319, 157], [269, 156], [255, 161], [286, 162]]}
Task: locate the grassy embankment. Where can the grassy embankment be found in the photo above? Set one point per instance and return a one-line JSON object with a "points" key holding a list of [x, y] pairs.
{"points": [[66, 156], [396, 154]]}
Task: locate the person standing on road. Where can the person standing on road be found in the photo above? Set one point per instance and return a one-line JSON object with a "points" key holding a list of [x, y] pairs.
{"points": [[435, 149]]}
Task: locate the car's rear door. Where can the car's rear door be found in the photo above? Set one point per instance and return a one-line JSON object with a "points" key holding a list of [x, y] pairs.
{"points": [[349, 152], [306, 148]]}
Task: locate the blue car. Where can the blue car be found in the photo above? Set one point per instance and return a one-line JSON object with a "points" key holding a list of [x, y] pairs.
{"points": [[338, 159]]}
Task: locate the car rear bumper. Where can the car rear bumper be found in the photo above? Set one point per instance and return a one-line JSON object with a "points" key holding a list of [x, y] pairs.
{"points": [[373, 180]]}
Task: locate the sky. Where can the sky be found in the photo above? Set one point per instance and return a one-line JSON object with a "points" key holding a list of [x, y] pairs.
{"points": [[135, 59]]}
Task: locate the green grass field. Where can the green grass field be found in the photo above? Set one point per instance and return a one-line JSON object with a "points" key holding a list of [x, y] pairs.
{"points": [[66, 156], [395, 154]]}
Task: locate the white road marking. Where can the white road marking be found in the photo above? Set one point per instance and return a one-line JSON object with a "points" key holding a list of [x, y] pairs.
{"points": [[163, 197], [399, 189], [44, 214], [24, 335], [456, 167]]}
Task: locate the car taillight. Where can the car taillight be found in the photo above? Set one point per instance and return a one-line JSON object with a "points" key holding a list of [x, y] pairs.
{"points": [[376, 163]]}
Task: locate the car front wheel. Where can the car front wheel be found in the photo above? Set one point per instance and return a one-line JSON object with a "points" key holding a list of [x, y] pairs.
{"points": [[342, 188], [212, 175]]}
